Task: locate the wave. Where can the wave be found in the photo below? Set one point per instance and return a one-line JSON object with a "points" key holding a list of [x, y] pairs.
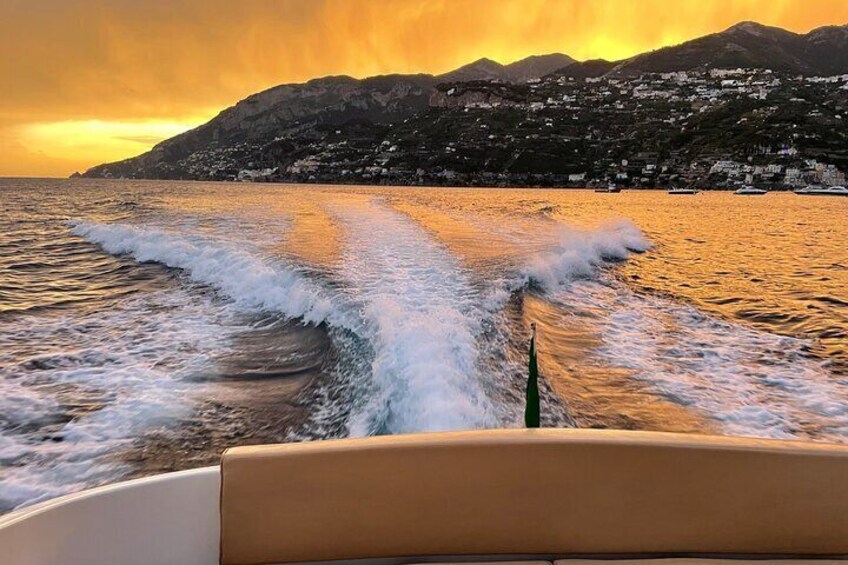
{"points": [[430, 322], [749, 382], [579, 254], [76, 389], [251, 280]]}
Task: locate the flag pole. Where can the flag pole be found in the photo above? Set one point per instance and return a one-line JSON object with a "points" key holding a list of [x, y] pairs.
{"points": [[532, 410]]}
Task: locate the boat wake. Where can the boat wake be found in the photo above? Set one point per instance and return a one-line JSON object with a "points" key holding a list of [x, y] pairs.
{"points": [[423, 317], [749, 382], [580, 254], [558, 254], [79, 389], [252, 281], [410, 322], [76, 390]]}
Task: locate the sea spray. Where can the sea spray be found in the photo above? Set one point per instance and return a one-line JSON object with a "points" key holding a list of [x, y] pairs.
{"points": [[579, 254], [90, 384], [569, 255], [420, 314]]}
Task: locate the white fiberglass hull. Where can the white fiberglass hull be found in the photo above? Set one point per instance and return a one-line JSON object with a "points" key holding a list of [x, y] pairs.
{"points": [[166, 519], [820, 193]]}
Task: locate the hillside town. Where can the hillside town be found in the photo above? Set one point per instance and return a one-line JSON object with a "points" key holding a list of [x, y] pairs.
{"points": [[719, 129]]}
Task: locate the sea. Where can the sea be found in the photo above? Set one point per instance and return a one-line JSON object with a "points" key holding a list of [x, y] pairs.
{"points": [[145, 326]]}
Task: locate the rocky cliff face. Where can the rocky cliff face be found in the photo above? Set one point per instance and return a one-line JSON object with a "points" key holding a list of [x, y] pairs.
{"points": [[479, 94]]}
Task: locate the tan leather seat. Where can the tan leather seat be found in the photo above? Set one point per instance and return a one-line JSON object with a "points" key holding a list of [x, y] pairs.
{"points": [[699, 561], [486, 563], [532, 492]]}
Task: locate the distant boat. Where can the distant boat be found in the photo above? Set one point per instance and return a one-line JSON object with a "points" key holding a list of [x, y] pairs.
{"points": [[611, 188], [818, 190], [686, 190], [749, 190]]}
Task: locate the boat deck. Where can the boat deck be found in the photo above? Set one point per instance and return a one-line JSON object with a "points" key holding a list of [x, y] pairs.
{"points": [[534, 496]]}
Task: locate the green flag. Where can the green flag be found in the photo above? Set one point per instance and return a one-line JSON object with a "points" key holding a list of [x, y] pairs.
{"points": [[531, 411]]}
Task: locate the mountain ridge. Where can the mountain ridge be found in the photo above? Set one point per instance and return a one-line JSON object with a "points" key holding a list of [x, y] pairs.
{"points": [[298, 108], [747, 44]]}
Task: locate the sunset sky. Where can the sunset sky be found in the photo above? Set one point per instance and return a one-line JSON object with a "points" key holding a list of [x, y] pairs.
{"points": [[88, 81]]}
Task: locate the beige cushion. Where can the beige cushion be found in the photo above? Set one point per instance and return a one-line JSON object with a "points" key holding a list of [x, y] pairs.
{"points": [[532, 492], [486, 563], [696, 561]]}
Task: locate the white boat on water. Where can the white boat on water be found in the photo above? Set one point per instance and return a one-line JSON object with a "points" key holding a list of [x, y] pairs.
{"points": [[818, 190], [535, 497], [749, 190], [611, 188], [685, 190]]}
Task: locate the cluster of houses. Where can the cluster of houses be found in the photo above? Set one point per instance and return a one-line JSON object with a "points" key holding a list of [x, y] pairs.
{"points": [[765, 107], [808, 172], [721, 128]]}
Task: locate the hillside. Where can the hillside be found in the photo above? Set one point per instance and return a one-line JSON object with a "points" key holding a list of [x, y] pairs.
{"points": [[341, 129]]}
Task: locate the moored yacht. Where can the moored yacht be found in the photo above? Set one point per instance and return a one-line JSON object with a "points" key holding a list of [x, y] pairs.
{"points": [[535, 497], [819, 190], [611, 188], [685, 190], [749, 190]]}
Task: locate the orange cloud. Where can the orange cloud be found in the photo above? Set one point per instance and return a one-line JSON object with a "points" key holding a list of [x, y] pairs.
{"points": [[176, 62]]}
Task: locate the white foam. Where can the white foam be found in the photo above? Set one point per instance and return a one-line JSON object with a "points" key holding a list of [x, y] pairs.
{"points": [[131, 363], [579, 254], [423, 318], [557, 254], [750, 382], [250, 279], [110, 375]]}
